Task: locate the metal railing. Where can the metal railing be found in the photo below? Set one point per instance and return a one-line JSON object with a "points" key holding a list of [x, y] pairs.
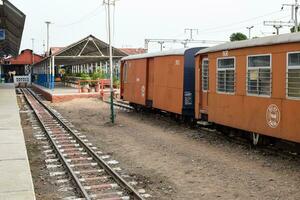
{"points": [[22, 79]]}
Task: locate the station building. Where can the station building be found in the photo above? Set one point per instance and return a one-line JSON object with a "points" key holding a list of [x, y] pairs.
{"points": [[12, 22], [19, 65], [88, 55]]}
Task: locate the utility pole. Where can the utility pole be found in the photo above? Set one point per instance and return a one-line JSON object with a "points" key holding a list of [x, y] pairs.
{"points": [[161, 43], [277, 25], [191, 30], [48, 27], [294, 16], [44, 47], [185, 43], [249, 29], [110, 3]]}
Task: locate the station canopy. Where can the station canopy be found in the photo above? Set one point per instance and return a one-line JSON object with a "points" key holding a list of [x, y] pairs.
{"points": [[12, 21], [87, 50]]}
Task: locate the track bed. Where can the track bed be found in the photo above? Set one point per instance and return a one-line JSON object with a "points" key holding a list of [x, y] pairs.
{"points": [[179, 163]]}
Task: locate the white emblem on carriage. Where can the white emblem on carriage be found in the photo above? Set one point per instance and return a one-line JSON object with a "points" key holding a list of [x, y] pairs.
{"points": [[273, 116]]}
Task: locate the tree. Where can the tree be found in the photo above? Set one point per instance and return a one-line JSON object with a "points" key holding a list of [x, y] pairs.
{"points": [[237, 37], [293, 29]]}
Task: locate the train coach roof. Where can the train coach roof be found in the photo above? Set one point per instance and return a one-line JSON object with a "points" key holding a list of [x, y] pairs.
{"points": [[156, 54], [264, 41]]}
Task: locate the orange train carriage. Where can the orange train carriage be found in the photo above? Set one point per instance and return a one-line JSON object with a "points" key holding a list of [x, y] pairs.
{"points": [[251, 85], [163, 80]]}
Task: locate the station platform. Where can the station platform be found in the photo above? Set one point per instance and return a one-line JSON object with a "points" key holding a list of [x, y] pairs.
{"points": [[62, 93], [15, 176]]}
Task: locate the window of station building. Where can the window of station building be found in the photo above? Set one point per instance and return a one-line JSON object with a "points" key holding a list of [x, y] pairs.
{"points": [[205, 79], [226, 75], [293, 75], [259, 75]]}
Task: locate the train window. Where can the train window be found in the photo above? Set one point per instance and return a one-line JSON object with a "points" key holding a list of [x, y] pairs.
{"points": [[226, 75], [259, 75], [205, 74], [293, 75]]}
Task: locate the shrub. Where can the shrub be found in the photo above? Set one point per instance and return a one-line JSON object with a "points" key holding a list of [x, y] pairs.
{"points": [[84, 76]]}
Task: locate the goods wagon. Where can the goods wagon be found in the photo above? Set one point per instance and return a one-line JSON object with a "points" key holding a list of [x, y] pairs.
{"points": [[251, 85], [164, 80]]}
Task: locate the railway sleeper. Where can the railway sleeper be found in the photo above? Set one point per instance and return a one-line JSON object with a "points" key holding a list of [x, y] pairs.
{"points": [[79, 159], [88, 172], [97, 178], [107, 195], [71, 149], [102, 186], [84, 164]]}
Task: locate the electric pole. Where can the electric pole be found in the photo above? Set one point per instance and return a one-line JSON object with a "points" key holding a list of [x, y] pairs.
{"points": [[44, 47], [161, 43], [249, 29], [110, 3], [294, 16], [48, 27], [191, 30], [277, 25]]}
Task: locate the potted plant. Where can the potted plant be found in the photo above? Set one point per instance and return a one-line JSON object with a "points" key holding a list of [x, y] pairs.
{"points": [[116, 82], [85, 84], [97, 76]]}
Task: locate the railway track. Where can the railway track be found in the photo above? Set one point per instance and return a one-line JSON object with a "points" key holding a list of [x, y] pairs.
{"points": [[121, 104], [92, 176]]}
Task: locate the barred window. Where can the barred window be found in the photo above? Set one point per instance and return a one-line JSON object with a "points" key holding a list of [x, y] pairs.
{"points": [[293, 75], [205, 75], [259, 75], [226, 75]]}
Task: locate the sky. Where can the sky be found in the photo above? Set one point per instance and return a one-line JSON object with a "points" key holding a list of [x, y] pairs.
{"points": [[136, 20]]}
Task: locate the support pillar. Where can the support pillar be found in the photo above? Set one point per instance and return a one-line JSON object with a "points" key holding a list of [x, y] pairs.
{"points": [[53, 73], [106, 69]]}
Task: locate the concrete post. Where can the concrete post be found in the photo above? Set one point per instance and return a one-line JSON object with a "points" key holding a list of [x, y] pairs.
{"points": [[53, 72]]}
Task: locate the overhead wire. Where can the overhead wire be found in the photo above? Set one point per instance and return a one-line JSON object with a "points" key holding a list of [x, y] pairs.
{"points": [[223, 28], [230, 29], [86, 17], [240, 22]]}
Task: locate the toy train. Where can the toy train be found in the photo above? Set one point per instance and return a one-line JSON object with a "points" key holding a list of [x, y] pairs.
{"points": [[251, 85]]}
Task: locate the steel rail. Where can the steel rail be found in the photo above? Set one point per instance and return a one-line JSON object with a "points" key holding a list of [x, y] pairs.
{"points": [[121, 105], [131, 191], [61, 157]]}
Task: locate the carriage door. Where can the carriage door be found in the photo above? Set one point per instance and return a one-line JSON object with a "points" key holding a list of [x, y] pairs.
{"points": [[150, 82], [204, 90]]}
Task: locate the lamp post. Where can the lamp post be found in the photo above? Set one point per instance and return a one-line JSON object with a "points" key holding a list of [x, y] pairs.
{"points": [[110, 3], [249, 29]]}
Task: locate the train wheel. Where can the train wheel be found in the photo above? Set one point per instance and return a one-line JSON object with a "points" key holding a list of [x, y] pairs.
{"points": [[256, 138]]}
